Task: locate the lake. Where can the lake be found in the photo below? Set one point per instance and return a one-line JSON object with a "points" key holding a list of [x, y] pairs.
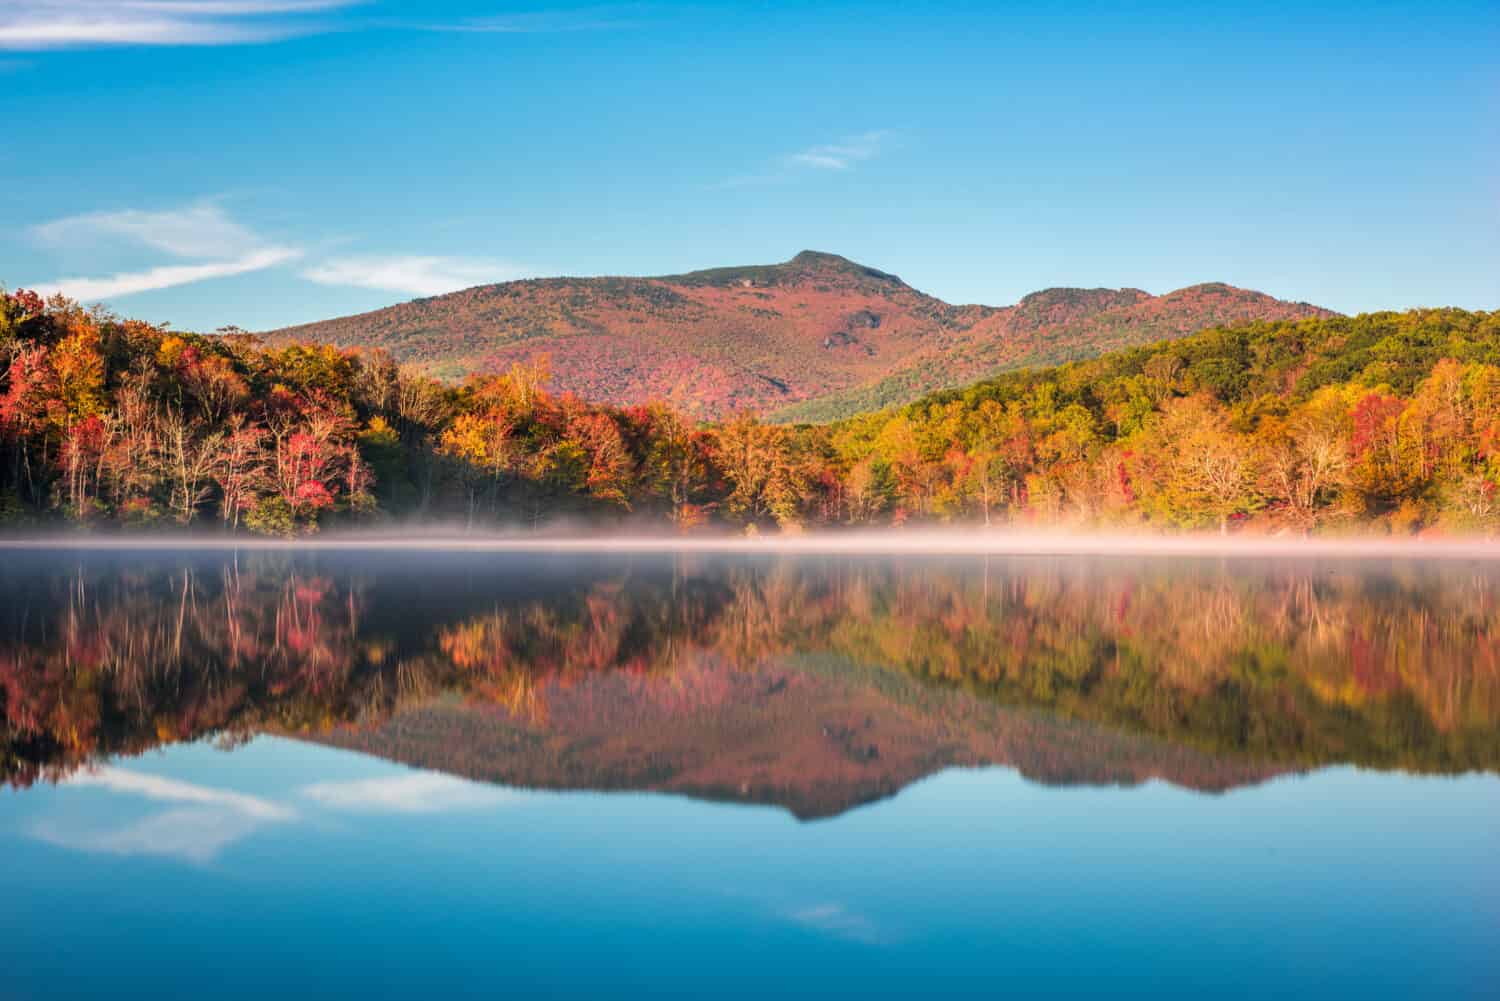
{"points": [[602, 775]]}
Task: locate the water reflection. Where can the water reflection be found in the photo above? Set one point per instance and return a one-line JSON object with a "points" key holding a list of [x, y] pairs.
{"points": [[814, 683]]}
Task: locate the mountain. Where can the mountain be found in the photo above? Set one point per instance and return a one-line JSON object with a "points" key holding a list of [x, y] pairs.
{"points": [[816, 736], [814, 338]]}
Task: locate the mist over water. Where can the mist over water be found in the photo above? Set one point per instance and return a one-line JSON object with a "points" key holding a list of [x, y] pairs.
{"points": [[974, 541]]}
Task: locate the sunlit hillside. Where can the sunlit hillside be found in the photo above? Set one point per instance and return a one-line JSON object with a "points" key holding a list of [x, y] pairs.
{"points": [[816, 337]]}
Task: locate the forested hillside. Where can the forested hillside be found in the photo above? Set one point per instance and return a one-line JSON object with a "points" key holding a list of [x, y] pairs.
{"points": [[1383, 418], [1385, 421], [815, 338]]}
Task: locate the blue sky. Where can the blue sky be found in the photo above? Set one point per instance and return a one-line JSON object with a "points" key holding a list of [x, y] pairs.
{"points": [[263, 162]]}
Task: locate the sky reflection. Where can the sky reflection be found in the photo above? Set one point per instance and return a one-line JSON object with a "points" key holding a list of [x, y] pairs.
{"points": [[1360, 882]]}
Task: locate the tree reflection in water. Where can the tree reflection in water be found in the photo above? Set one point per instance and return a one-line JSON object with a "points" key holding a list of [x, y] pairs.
{"points": [[640, 670]]}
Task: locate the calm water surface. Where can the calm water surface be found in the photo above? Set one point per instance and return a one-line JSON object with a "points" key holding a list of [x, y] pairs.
{"points": [[399, 775]]}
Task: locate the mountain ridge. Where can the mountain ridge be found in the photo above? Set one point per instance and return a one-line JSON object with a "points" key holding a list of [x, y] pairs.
{"points": [[815, 736], [814, 337]]}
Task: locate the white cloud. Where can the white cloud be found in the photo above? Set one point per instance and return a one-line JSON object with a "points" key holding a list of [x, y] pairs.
{"points": [[201, 230], [166, 276], [156, 787], [413, 275], [198, 230], [195, 834], [419, 792], [34, 25], [208, 820], [841, 155], [220, 246]]}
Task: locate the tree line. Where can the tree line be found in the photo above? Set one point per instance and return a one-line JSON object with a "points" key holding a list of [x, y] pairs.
{"points": [[1387, 421]]}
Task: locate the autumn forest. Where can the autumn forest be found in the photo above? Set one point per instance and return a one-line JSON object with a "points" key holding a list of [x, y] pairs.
{"points": [[1384, 422]]}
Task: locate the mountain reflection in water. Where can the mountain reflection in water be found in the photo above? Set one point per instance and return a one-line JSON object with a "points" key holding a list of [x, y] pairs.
{"points": [[813, 683]]}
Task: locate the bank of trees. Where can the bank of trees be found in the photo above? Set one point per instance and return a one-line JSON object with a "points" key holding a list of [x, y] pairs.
{"points": [[1387, 420]]}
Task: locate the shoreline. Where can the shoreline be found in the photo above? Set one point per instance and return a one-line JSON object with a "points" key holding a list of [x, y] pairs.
{"points": [[975, 543]]}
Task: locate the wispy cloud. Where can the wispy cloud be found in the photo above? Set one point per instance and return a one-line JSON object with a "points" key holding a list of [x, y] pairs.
{"points": [[419, 792], [839, 922], [412, 274], [835, 156], [200, 824], [210, 244], [198, 230], [843, 154], [222, 246], [161, 789], [37, 25], [195, 834], [129, 282]]}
